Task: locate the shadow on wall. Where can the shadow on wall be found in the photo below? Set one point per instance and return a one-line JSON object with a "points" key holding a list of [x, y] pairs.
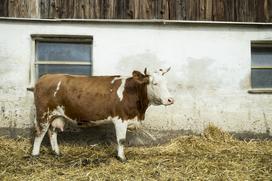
{"points": [[139, 62], [152, 62], [199, 75]]}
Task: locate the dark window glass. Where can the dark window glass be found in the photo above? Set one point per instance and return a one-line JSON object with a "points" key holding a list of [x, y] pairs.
{"points": [[261, 78], [58, 51], [63, 57], [261, 65], [65, 69], [261, 56]]}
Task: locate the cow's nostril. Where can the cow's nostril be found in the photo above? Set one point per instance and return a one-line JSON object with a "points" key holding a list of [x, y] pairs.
{"points": [[170, 100]]}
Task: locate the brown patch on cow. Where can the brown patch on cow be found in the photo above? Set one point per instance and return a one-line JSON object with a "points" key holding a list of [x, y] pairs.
{"points": [[78, 96], [91, 98], [140, 78]]}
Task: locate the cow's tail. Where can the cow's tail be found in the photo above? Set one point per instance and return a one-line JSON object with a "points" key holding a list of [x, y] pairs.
{"points": [[31, 89]]}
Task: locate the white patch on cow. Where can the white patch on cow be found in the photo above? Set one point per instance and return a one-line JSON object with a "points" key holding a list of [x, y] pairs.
{"points": [[121, 88], [58, 111], [113, 80], [54, 142], [119, 78], [38, 140], [44, 125], [121, 130], [57, 89]]}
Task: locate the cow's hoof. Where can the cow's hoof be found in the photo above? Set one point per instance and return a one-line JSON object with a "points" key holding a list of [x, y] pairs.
{"points": [[28, 157], [57, 155], [31, 157], [123, 160], [35, 156]]}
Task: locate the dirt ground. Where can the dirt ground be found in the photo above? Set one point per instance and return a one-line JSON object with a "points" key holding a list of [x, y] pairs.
{"points": [[214, 155]]}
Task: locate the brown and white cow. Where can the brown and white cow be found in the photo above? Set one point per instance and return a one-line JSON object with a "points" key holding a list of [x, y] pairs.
{"points": [[60, 97]]}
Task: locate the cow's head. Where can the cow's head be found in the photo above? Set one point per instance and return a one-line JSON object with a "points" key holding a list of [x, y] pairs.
{"points": [[157, 91]]}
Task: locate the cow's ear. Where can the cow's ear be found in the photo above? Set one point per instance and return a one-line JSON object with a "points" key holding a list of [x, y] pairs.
{"points": [[137, 74], [139, 77], [146, 80]]}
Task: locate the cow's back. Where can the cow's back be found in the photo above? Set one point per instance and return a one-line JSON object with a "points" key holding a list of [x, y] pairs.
{"points": [[81, 97]]}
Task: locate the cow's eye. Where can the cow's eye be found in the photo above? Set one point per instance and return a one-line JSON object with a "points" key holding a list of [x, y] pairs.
{"points": [[155, 83]]}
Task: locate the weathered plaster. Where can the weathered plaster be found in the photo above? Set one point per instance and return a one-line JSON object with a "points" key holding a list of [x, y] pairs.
{"points": [[209, 78]]}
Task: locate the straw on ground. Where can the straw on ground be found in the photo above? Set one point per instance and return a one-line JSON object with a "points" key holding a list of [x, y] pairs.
{"points": [[215, 155]]}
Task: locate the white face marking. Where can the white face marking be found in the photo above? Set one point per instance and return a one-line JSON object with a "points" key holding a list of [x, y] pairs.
{"points": [[121, 130], [57, 89], [157, 90]]}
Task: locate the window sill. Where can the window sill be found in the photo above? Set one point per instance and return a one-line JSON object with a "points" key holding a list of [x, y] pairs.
{"points": [[260, 91]]}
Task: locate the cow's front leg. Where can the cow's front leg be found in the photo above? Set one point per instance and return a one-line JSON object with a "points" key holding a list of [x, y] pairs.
{"points": [[120, 130]]}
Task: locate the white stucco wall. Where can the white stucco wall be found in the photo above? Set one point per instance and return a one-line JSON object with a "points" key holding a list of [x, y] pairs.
{"points": [[209, 79]]}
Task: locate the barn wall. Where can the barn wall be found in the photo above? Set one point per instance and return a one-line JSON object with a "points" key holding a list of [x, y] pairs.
{"points": [[207, 10], [210, 75]]}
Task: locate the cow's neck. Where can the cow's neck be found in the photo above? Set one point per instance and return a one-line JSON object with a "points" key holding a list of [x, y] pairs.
{"points": [[138, 93], [143, 100]]}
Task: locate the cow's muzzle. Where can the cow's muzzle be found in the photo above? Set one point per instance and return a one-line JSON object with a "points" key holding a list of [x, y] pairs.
{"points": [[169, 101]]}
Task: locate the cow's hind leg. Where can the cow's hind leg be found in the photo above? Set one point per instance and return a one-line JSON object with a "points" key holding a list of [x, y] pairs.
{"points": [[121, 130], [52, 133], [38, 139]]}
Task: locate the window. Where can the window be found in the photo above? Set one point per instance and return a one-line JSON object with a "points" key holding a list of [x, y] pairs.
{"points": [[63, 54], [261, 65]]}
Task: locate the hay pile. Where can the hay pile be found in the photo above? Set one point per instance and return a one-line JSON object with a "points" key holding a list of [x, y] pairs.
{"points": [[213, 156]]}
